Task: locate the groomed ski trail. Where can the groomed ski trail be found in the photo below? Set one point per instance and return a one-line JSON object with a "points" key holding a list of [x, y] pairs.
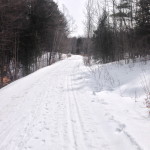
{"points": [[52, 109]]}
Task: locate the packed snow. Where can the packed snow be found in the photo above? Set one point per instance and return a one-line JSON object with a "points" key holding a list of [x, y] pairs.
{"points": [[70, 106]]}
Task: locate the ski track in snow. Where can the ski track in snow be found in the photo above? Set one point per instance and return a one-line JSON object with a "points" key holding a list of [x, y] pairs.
{"points": [[52, 110]]}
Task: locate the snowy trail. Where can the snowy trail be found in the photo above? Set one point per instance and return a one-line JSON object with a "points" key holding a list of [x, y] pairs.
{"points": [[53, 110]]}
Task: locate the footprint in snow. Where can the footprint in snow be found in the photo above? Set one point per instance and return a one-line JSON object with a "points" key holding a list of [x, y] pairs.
{"points": [[104, 103], [46, 128], [121, 128], [43, 140], [74, 121], [107, 114], [30, 147], [94, 93]]}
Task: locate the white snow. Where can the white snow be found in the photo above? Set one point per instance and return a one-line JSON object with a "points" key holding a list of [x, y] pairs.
{"points": [[68, 106]]}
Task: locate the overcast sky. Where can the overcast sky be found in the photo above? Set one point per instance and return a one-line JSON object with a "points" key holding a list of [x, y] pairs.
{"points": [[75, 8]]}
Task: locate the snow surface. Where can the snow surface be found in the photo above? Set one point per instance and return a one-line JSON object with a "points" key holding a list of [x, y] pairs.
{"points": [[68, 106]]}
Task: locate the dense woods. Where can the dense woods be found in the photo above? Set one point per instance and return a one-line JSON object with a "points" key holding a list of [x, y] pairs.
{"points": [[33, 31], [120, 29], [29, 30]]}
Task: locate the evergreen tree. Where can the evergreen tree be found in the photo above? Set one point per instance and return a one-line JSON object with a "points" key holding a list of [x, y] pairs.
{"points": [[27, 30], [103, 40], [143, 26], [143, 17]]}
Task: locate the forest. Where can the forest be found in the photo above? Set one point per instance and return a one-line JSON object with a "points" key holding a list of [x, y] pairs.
{"points": [[116, 30], [68, 88], [29, 30], [32, 32]]}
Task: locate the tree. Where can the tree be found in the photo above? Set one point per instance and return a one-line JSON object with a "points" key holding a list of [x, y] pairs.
{"points": [[28, 29], [103, 40], [143, 17], [89, 24], [79, 46], [143, 27]]}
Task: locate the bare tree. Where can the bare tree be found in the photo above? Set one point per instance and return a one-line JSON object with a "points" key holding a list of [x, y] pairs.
{"points": [[89, 23]]}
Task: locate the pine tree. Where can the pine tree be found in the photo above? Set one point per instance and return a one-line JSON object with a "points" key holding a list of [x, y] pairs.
{"points": [[142, 27], [103, 40], [143, 17]]}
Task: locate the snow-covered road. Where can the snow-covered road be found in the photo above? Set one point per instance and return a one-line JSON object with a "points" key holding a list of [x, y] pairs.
{"points": [[53, 109]]}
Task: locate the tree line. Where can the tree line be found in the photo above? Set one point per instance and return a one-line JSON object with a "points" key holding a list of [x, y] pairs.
{"points": [[117, 30], [28, 30]]}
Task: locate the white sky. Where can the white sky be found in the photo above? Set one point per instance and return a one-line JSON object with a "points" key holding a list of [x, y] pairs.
{"points": [[76, 9]]}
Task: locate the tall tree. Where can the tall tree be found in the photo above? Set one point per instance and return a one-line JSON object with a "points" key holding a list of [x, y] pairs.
{"points": [[143, 26]]}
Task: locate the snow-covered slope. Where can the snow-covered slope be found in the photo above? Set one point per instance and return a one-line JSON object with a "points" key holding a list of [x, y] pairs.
{"points": [[62, 107]]}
